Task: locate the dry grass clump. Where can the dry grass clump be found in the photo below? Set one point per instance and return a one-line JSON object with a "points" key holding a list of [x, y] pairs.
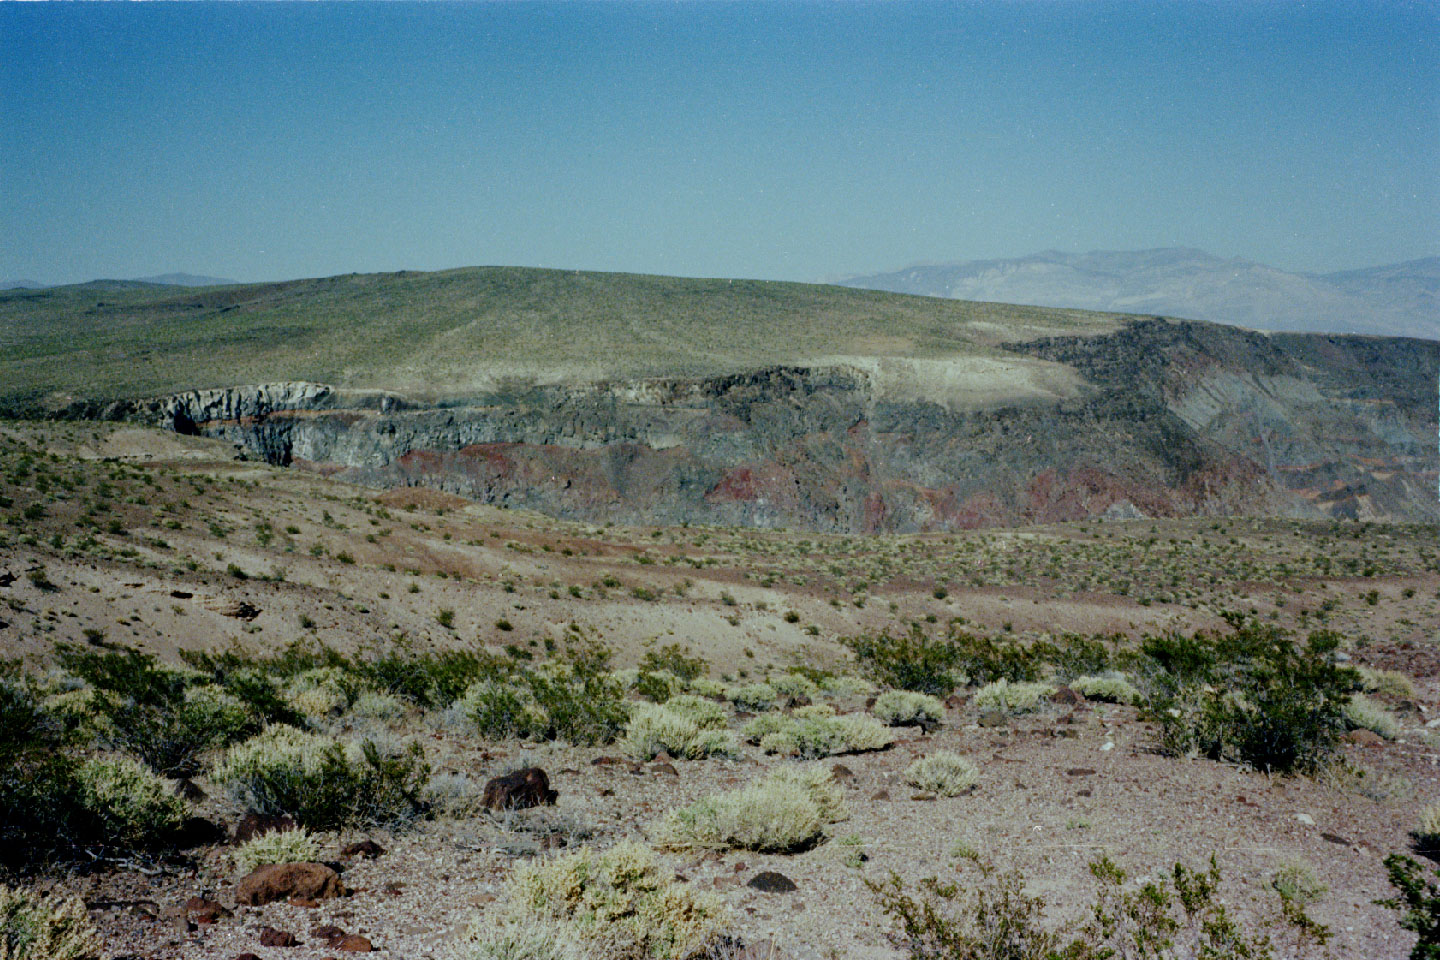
{"points": [[785, 812], [1010, 697], [904, 708], [1109, 687], [1362, 713], [45, 928], [278, 846], [1427, 833], [618, 904], [691, 729], [947, 774], [134, 806], [1389, 682]]}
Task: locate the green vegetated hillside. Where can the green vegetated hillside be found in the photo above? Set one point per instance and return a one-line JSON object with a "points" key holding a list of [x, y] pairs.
{"points": [[457, 330]]}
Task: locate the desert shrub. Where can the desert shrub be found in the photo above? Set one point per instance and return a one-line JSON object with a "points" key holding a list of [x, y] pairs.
{"points": [[278, 846], [753, 696], [1427, 831], [1391, 683], [904, 708], [33, 927], [1362, 713], [671, 659], [658, 686], [454, 794], [41, 814], [373, 705], [574, 699], [1418, 903], [760, 727], [1110, 688], [993, 918], [821, 734], [704, 713], [618, 904], [1254, 696], [688, 735], [133, 807], [429, 679], [793, 688], [947, 774], [321, 784], [511, 939], [1296, 882], [912, 661], [164, 716], [985, 660], [784, 813], [1007, 697], [845, 686], [1076, 656], [705, 687]]}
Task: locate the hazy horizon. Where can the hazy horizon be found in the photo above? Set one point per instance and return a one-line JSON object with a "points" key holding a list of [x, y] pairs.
{"points": [[797, 141]]}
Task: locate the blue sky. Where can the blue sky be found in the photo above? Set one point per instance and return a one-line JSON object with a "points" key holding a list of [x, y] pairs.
{"points": [[786, 140]]}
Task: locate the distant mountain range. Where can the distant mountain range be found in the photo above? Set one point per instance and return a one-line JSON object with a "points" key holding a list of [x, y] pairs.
{"points": [[163, 280], [1401, 299]]}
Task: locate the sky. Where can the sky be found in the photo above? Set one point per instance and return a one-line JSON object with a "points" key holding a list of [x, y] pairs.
{"points": [[796, 141]]}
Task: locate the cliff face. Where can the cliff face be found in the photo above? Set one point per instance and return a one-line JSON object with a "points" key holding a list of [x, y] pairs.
{"points": [[1176, 419]]}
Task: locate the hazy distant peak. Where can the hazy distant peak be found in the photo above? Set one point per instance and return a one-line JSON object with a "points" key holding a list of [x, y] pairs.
{"points": [[186, 280], [1394, 300]]}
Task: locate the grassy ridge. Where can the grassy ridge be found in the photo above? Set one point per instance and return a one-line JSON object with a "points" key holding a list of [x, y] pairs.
{"points": [[456, 330]]}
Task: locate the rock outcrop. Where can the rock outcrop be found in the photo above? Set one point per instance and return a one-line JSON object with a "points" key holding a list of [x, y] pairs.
{"points": [[1171, 418]]}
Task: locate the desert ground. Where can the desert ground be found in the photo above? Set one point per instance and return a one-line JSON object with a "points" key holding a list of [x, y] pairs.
{"points": [[117, 536]]}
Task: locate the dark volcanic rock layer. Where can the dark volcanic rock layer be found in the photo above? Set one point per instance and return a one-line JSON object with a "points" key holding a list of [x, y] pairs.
{"points": [[1178, 418]]}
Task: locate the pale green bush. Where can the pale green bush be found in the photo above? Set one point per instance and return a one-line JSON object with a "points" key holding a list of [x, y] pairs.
{"points": [[320, 783], [705, 687], [947, 774], [321, 692], [814, 711], [1110, 688], [33, 927], [1428, 831], [1010, 697], [785, 812], [134, 805], [656, 727], [1362, 713], [827, 736], [753, 696], [762, 726], [511, 939], [1390, 682], [372, 705], [904, 708], [792, 688], [278, 846], [847, 687], [619, 904], [706, 714]]}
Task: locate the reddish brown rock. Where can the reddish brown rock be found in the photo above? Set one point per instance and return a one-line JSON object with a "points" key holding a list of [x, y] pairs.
{"points": [[253, 825], [1066, 695], [270, 937], [204, 911], [365, 849], [354, 943], [328, 932], [285, 881], [1365, 738], [842, 773], [666, 768], [516, 791]]}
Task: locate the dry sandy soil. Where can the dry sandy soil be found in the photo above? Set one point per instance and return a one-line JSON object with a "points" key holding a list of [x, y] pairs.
{"points": [[159, 539]]}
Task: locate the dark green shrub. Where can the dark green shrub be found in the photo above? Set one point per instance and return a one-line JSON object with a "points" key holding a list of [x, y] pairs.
{"points": [[671, 659], [429, 679], [985, 660], [1254, 696], [1418, 903], [1076, 656], [574, 700], [161, 715], [908, 662]]}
